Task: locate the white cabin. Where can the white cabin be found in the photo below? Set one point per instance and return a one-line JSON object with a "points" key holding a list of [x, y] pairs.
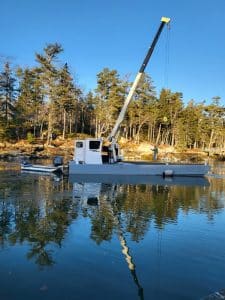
{"points": [[92, 151], [88, 151]]}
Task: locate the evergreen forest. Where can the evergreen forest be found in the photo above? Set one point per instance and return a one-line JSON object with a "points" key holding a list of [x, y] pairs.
{"points": [[44, 102]]}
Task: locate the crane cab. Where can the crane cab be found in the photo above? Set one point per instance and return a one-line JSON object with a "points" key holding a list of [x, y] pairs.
{"points": [[92, 151], [88, 151]]}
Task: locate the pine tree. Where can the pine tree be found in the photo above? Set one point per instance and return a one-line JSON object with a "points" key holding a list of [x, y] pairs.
{"points": [[7, 98], [215, 115], [49, 76], [30, 104], [68, 98], [170, 106], [90, 113], [110, 93], [141, 111]]}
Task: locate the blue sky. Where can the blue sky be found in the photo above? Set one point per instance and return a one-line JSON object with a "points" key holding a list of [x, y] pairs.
{"points": [[117, 33]]}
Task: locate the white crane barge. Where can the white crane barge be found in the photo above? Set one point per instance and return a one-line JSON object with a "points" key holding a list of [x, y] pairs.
{"points": [[92, 157]]}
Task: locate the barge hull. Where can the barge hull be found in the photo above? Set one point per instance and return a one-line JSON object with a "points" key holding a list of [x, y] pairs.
{"points": [[130, 169]]}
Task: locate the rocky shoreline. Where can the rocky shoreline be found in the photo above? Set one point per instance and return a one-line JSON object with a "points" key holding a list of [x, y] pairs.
{"points": [[12, 151], [15, 152]]}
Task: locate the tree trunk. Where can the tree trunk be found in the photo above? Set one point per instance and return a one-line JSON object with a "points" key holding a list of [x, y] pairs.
{"points": [[50, 126], [159, 133], [64, 124], [211, 139]]}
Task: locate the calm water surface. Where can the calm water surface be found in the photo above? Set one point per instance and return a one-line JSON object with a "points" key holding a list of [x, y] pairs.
{"points": [[65, 238]]}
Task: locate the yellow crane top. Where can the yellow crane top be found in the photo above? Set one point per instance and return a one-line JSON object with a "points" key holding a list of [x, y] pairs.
{"points": [[165, 20]]}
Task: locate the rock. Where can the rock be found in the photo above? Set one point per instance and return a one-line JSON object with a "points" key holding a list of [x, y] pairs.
{"points": [[38, 148]]}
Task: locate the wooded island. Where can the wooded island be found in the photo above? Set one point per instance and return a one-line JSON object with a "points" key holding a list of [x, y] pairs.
{"points": [[44, 102]]}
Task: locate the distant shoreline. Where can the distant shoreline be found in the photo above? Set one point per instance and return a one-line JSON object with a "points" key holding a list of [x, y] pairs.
{"points": [[130, 151]]}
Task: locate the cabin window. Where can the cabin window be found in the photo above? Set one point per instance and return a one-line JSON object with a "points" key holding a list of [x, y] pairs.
{"points": [[94, 145], [79, 144]]}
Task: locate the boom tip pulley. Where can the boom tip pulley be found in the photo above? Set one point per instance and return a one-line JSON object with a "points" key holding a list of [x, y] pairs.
{"points": [[165, 20]]}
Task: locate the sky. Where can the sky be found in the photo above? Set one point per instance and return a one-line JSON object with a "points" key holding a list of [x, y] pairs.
{"points": [[188, 58]]}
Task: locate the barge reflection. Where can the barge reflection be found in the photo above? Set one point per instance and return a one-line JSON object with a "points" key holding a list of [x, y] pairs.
{"points": [[106, 194]]}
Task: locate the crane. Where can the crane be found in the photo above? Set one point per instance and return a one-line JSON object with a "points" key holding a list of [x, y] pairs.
{"points": [[112, 137]]}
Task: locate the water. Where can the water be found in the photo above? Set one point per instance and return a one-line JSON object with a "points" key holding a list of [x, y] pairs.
{"points": [[67, 239]]}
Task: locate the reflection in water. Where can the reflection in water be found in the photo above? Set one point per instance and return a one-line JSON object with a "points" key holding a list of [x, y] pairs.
{"points": [[131, 209], [34, 211], [38, 211], [140, 205], [129, 260]]}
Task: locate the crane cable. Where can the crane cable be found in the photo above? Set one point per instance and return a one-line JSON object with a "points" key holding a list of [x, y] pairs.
{"points": [[167, 57]]}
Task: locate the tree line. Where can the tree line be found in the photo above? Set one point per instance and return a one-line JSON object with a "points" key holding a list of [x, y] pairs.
{"points": [[45, 101]]}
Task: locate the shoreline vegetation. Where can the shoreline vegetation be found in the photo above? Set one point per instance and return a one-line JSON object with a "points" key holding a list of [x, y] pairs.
{"points": [[41, 103], [11, 154]]}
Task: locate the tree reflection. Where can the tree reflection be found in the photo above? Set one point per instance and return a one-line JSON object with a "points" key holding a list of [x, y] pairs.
{"points": [[132, 209], [37, 211], [39, 218], [142, 206], [5, 221], [102, 226], [42, 256]]}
